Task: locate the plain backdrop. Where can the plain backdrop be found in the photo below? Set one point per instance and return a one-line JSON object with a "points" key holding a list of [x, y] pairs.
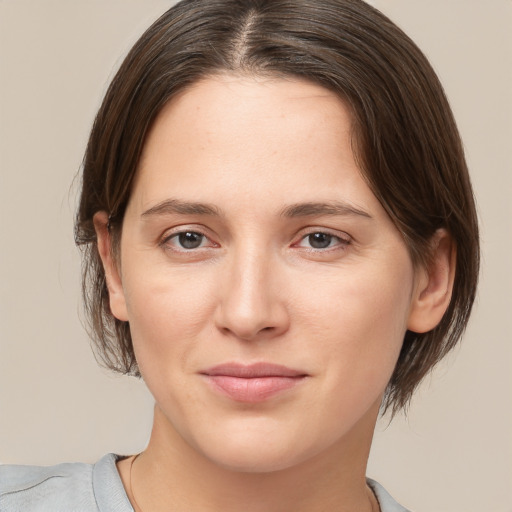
{"points": [[453, 453]]}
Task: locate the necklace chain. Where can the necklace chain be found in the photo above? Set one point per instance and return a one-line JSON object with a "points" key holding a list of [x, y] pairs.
{"points": [[137, 506]]}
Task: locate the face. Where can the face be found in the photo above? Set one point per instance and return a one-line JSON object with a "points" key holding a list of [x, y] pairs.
{"points": [[267, 290]]}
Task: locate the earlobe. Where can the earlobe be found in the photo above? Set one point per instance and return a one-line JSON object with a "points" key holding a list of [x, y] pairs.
{"points": [[434, 285], [112, 275]]}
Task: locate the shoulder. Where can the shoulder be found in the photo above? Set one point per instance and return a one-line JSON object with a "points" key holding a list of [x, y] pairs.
{"points": [[386, 501], [74, 486], [46, 488]]}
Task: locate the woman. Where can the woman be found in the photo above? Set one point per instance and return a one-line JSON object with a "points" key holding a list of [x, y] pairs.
{"points": [[280, 238]]}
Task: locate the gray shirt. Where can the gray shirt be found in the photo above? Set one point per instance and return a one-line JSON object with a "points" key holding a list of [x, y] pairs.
{"points": [[81, 487]]}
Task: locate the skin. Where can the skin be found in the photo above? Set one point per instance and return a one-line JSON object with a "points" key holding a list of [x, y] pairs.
{"points": [[260, 288]]}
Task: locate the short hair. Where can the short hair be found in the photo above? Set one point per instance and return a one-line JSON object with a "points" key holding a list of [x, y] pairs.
{"points": [[404, 139]]}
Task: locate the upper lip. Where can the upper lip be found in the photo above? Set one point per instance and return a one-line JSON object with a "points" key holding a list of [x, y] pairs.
{"points": [[252, 371]]}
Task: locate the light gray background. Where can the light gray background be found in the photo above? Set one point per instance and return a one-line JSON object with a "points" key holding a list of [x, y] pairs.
{"points": [[454, 451]]}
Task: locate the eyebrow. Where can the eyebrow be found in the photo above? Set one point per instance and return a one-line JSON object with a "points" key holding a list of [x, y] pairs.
{"points": [[330, 208], [176, 206]]}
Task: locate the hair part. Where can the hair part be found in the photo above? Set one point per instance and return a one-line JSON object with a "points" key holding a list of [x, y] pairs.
{"points": [[405, 139]]}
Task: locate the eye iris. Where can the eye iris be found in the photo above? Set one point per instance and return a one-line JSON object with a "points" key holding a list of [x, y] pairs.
{"points": [[190, 240], [319, 240]]}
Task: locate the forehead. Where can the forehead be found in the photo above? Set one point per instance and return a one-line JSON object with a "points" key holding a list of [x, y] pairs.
{"points": [[251, 136], [237, 108]]}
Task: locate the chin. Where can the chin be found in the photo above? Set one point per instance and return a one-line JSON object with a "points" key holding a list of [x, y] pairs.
{"points": [[259, 450], [254, 459]]}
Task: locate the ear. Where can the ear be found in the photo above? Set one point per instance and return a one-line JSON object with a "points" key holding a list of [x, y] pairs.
{"points": [[112, 274], [434, 285]]}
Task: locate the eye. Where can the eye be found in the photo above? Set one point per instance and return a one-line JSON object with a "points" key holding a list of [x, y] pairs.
{"points": [[320, 240], [187, 241]]}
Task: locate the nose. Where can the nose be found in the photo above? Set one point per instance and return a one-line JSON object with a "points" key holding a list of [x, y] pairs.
{"points": [[252, 301]]}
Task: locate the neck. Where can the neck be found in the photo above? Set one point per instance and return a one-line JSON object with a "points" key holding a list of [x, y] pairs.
{"points": [[173, 476]]}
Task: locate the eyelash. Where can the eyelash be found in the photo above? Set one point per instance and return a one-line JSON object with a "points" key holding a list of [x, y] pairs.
{"points": [[341, 241], [167, 240]]}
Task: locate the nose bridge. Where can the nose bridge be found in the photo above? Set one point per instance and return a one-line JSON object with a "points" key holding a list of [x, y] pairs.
{"points": [[250, 300]]}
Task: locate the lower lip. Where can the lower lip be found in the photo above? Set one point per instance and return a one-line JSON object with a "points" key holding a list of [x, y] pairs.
{"points": [[252, 390]]}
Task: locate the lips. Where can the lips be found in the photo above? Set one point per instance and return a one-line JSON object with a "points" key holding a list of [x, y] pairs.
{"points": [[252, 383]]}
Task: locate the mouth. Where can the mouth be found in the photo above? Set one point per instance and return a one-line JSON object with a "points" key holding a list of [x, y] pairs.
{"points": [[252, 383]]}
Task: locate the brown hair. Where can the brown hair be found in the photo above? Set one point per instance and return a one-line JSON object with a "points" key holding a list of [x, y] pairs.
{"points": [[405, 138]]}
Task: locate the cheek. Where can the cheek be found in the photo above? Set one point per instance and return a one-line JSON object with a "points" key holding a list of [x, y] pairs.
{"points": [[359, 299], [360, 320], [167, 313]]}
